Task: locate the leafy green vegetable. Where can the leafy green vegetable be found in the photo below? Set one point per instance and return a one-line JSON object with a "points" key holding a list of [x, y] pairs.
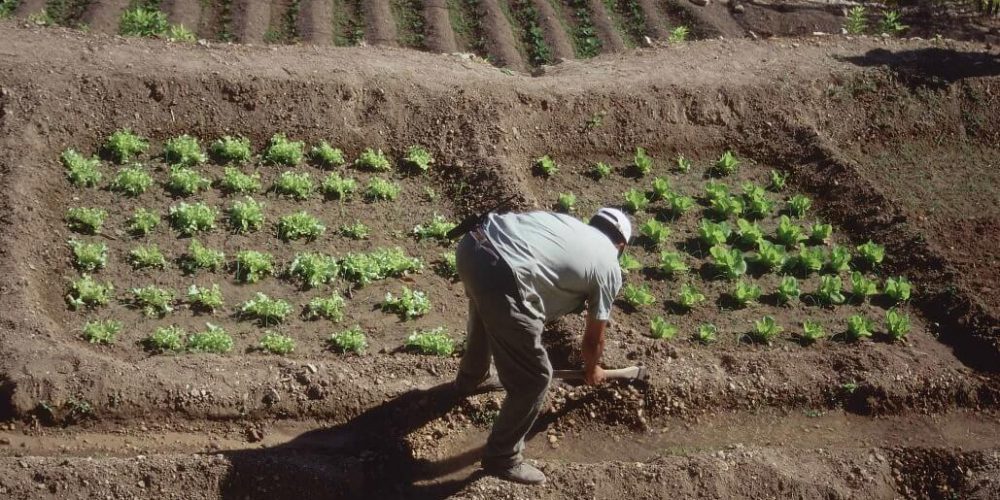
{"points": [[337, 187], [871, 253], [637, 295], [330, 307], [635, 200], [765, 330], [798, 205], [601, 170], [276, 343], [236, 182], [898, 289], [729, 261], [192, 218], [153, 300], [689, 296], [86, 220], [373, 160], [643, 162], [628, 263], [812, 331], [436, 229], [131, 181], [184, 181], [355, 231], [672, 264], [418, 158], [351, 340], [745, 292], [123, 145], [567, 202], [143, 221], [714, 233], [184, 151], [229, 149], [363, 268], [101, 332], [897, 324], [297, 185], [660, 329], [88, 256], [859, 327], [165, 339], [770, 256], [326, 155], [88, 292], [829, 290], [788, 289], [408, 305], [381, 189], [213, 340], [433, 342], [80, 170], [205, 298], [726, 164], [198, 256], [788, 234], [148, 256], [778, 180], [246, 215], [300, 225], [862, 287], [281, 151], [313, 269], [252, 265], [706, 333], [655, 232], [266, 310]]}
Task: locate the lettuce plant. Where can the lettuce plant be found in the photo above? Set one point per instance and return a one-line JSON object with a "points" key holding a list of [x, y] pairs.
{"points": [[660, 329], [355, 231], [205, 298], [628, 263], [643, 162], [351, 340], [637, 295], [829, 291], [131, 181], [408, 305], [213, 339], [778, 180], [86, 220], [80, 170], [246, 215], [235, 181], [812, 332], [756, 202], [566, 202], [184, 181], [672, 264], [282, 151], [798, 205], [689, 296], [327, 156], [418, 158], [898, 289], [820, 233], [788, 289], [871, 253], [434, 342], [88, 292], [266, 310], [749, 233], [788, 233], [251, 265], [706, 333], [436, 229], [153, 300], [655, 232], [101, 332], [661, 188], [897, 324], [330, 307], [199, 256], [600, 170], [300, 225], [726, 206], [123, 145], [809, 259], [148, 256], [765, 330], [859, 327], [729, 261], [88, 257], [683, 163], [143, 222], [313, 269], [231, 150], [635, 200], [165, 339], [381, 189], [678, 204], [373, 160], [192, 218], [772, 257], [862, 287], [183, 151], [296, 185], [338, 188], [714, 233], [745, 292], [275, 343], [726, 164]]}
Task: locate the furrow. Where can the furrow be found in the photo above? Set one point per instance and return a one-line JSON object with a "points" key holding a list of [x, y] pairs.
{"points": [[611, 40], [555, 34], [315, 22], [183, 12], [656, 23], [500, 43], [380, 25], [103, 16], [439, 35], [250, 20]]}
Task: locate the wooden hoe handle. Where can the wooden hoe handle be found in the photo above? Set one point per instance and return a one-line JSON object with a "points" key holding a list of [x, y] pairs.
{"points": [[631, 373]]}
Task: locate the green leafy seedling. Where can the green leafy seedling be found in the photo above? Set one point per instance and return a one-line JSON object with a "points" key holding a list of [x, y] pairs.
{"points": [[745, 292], [788, 233], [871, 253], [213, 339], [856, 22], [101, 332], [436, 229], [628, 263], [714, 234], [265, 310], [199, 256], [252, 266], [898, 289], [859, 327], [131, 181], [715, 190], [678, 204], [891, 22], [689, 296], [749, 233], [192, 218], [788, 289], [729, 261], [408, 305], [153, 300], [313, 269], [350, 340], [765, 330], [363, 268], [88, 257], [231, 150], [336, 187], [205, 298], [660, 329], [300, 225], [820, 233], [655, 232], [812, 332], [381, 189], [897, 324], [296, 185], [642, 162], [355, 231], [546, 166], [88, 292], [165, 339], [86, 220], [143, 22], [862, 287], [123, 145], [838, 259], [778, 181], [246, 215], [772, 257], [635, 200], [726, 164], [327, 156], [146, 257], [683, 163], [798, 205], [810, 260], [447, 266], [829, 291], [184, 151], [373, 160], [80, 170], [672, 264], [706, 333], [235, 181], [726, 206], [418, 159], [330, 307], [566, 202], [143, 222], [434, 342], [275, 343], [638, 295], [184, 181], [601, 170], [756, 202], [678, 34], [281, 151]]}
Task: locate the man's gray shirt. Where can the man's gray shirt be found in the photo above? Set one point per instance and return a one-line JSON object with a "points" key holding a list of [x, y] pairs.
{"points": [[558, 262]]}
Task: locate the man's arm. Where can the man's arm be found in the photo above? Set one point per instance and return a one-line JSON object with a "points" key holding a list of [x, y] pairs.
{"points": [[593, 348]]}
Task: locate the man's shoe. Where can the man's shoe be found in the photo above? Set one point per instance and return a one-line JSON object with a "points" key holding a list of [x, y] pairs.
{"points": [[489, 384], [521, 473]]}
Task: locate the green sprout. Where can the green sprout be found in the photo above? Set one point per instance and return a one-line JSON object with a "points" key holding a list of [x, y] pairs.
{"points": [[655, 232], [381, 189], [192, 218], [89, 257], [812, 332], [749, 233], [205, 298], [355, 231], [431, 342], [148, 256], [184, 181], [276, 343], [638, 295], [101, 332], [418, 158], [80, 170], [820, 233], [338, 188], [330, 307], [661, 188], [859, 327], [236, 182], [829, 291], [755, 200], [231, 150], [266, 310], [891, 23], [745, 292], [183, 151], [252, 266], [678, 34], [436, 229], [788, 289], [678, 204], [689, 296], [898, 289], [281, 151], [788, 233], [672, 264], [729, 261], [643, 162], [246, 215], [296, 185], [350, 340], [601, 170], [123, 145], [131, 181], [683, 163], [154, 301], [313, 269], [660, 329], [635, 200], [326, 155], [838, 259], [809, 260], [726, 206], [765, 330], [299, 225], [373, 160], [143, 221], [628, 263], [714, 233], [213, 340], [798, 205], [88, 292], [778, 181], [726, 164], [199, 256], [862, 287], [897, 324], [872, 253], [86, 220], [546, 166], [715, 190], [566, 202], [408, 305], [706, 333], [857, 20], [165, 339]]}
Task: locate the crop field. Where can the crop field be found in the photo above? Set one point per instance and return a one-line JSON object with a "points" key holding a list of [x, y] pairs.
{"points": [[225, 270]]}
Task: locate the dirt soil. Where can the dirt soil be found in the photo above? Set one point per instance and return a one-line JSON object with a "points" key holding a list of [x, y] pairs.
{"points": [[870, 128]]}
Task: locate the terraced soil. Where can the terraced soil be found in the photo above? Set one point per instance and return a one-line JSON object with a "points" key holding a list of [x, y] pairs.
{"points": [[854, 122]]}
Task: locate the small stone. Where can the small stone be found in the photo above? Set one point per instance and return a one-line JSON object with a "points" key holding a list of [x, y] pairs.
{"points": [[553, 439], [700, 2], [739, 8]]}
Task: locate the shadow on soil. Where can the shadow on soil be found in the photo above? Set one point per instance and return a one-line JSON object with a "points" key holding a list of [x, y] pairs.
{"points": [[931, 67], [367, 457]]}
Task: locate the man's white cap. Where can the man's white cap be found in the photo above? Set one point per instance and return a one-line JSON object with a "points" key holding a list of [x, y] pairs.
{"points": [[618, 219]]}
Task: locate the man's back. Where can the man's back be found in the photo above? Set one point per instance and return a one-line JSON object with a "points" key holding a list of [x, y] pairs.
{"points": [[558, 262]]}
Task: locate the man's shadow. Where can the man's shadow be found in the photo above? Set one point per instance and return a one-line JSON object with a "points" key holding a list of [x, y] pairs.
{"points": [[367, 457]]}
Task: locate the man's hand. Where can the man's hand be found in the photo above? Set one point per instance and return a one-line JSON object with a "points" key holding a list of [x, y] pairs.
{"points": [[594, 376]]}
